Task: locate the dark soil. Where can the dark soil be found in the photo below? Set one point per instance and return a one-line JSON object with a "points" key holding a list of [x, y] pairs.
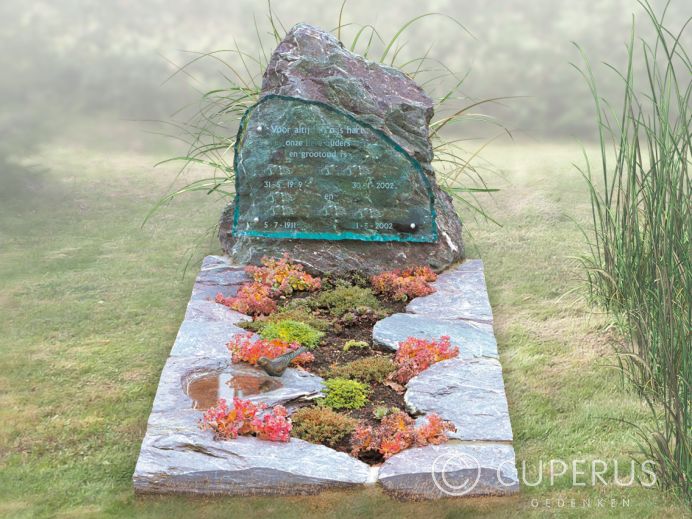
{"points": [[330, 353]]}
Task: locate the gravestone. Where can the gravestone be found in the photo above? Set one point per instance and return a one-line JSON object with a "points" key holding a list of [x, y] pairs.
{"points": [[333, 166]]}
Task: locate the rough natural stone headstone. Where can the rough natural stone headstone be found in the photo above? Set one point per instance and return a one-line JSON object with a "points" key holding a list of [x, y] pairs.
{"points": [[312, 65], [449, 470], [469, 393], [473, 339]]}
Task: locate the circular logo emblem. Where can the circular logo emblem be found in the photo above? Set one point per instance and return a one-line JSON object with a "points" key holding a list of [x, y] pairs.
{"points": [[456, 473]]}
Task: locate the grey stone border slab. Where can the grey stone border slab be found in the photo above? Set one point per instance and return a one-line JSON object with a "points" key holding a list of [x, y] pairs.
{"points": [[467, 390], [469, 393], [178, 457], [460, 293], [473, 339], [451, 470]]}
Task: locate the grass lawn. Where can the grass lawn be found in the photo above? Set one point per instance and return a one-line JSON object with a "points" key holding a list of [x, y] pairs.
{"points": [[90, 303]]}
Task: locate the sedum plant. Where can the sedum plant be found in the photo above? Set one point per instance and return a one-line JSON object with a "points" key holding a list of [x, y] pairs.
{"points": [[292, 332], [322, 425], [368, 369], [341, 393], [245, 418], [404, 284], [247, 348], [397, 431], [416, 355], [360, 345], [345, 298]]}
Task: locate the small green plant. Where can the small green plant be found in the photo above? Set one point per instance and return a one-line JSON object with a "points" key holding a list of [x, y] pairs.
{"points": [[292, 331], [322, 425], [300, 314], [361, 315], [345, 298], [342, 393], [368, 369], [382, 410], [360, 345]]}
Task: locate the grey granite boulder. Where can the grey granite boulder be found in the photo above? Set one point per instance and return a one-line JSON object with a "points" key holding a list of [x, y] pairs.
{"points": [[451, 470], [195, 463], [469, 393], [312, 64], [473, 339]]}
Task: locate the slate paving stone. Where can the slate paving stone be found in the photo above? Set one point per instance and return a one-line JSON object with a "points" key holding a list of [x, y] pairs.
{"points": [[469, 393], [473, 339], [448, 470], [194, 463], [204, 338], [202, 310], [460, 294]]}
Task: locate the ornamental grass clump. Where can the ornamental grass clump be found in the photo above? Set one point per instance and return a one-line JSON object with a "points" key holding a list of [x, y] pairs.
{"points": [[404, 284], [640, 266], [243, 419], [292, 332], [396, 432], [415, 355], [322, 425], [342, 393], [246, 348]]}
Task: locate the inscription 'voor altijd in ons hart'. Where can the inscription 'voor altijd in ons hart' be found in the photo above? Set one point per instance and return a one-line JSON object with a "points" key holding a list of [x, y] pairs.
{"points": [[307, 170]]}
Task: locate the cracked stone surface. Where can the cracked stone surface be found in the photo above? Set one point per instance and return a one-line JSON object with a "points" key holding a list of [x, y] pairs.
{"points": [[458, 469], [473, 339], [469, 393]]}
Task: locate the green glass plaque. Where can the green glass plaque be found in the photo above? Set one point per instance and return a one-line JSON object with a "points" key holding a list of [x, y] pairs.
{"points": [[307, 170]]}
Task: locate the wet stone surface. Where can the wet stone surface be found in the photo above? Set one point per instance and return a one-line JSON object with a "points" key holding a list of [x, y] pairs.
{"points": [[206, 390]]}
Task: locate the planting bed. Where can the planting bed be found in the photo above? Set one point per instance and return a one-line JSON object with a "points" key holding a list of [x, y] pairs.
{"points": [[466, 392]]}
